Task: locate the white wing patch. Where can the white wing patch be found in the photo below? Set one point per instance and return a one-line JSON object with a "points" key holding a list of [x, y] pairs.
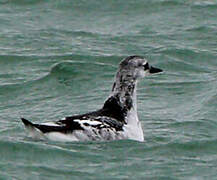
{"points": [[50, 124], [88, 122]]}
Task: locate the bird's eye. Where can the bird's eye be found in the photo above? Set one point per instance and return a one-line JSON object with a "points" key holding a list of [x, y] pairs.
{"points": [[146, 66]]}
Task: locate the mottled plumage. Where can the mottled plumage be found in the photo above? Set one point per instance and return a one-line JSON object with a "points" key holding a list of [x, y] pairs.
{"points": [[117, 119]]}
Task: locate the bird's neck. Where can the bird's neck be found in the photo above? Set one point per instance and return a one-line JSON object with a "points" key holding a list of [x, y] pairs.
{"points": [[122, 102], [125, 91]]}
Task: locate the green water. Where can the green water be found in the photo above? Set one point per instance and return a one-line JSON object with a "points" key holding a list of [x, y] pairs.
{"points": [[58, 58]]}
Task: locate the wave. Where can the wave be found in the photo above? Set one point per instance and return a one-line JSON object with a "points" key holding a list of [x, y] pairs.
{"points": [[202, 28], [205, 4], [193, 146], [186, 59], [79, 148], [77, 66], [22, 2], [67, 73]]}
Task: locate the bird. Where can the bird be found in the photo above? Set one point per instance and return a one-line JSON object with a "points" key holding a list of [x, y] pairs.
{"points": [[116, 120]]}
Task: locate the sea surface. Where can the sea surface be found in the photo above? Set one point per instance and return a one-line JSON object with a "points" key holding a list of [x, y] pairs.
{"points": [[59, 58]]}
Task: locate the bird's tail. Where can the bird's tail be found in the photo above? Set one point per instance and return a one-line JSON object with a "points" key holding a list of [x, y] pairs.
{"points": [[27, 123], [32, 130]]}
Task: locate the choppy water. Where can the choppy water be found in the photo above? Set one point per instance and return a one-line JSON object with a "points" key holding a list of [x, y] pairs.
{"points": [[58, 58]]}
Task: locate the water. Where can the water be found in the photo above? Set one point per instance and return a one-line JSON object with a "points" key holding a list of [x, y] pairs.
{"points": [[55, 56]]}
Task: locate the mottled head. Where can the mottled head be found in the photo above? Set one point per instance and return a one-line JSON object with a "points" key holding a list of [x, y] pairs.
{"points": [[124, 87], [134, 67]]}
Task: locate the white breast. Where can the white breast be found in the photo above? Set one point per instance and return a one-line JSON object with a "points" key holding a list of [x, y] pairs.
{"points": [[133, 129]]}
